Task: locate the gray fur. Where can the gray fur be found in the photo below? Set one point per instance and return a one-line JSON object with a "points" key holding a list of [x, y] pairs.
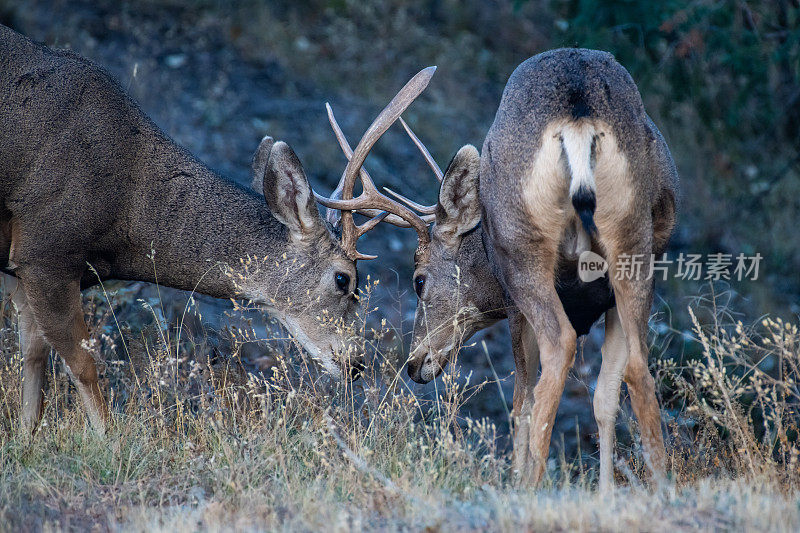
{"points": [[514, 264], [86, 178], [533, 98]]}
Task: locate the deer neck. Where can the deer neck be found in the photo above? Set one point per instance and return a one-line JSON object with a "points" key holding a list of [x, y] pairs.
{"points": [[188, 227]]}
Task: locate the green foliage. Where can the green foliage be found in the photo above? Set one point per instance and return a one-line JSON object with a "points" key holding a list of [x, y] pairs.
{"points": [[735, 62]]}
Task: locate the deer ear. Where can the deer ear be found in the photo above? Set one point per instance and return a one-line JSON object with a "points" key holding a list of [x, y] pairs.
{"points": [[289, 195], [259, 164], [459, 208]]}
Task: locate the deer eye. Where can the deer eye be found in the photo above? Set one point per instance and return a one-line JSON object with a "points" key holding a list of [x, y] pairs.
{"points": [[419, 285], [342, 282]]}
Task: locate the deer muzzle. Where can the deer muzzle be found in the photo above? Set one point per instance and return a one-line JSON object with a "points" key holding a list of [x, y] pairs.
{"points": [[425, 364]]}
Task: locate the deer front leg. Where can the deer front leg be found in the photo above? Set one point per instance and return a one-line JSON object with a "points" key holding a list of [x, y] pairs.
{"points": [[56, 307], [34, 351], [606, 395], [526, 360]]}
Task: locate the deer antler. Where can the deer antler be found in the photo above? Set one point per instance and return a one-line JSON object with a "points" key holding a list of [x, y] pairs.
{"points": [[425, 153], [370, 200], [428, 211], [333, 215]]}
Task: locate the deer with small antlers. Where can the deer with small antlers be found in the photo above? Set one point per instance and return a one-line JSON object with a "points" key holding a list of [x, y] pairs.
{"points": [[571, 164], [91, 189]]}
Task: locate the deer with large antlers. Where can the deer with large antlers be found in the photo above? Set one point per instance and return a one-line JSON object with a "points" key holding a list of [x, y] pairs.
{"points": [[571, 164], [90, 187]]}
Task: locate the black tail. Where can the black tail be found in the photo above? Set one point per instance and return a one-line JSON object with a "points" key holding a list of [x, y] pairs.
{"points": [[584, 203]]}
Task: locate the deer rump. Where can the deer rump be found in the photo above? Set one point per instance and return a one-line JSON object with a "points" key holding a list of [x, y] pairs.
{"points": [[583, 302], [573, 143]]}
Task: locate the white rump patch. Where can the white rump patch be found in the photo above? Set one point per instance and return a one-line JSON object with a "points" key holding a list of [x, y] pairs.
{"points": [[577, 140]]}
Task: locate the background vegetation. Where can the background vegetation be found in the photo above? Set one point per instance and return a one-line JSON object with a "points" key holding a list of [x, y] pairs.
{"points": [[721, 79]]}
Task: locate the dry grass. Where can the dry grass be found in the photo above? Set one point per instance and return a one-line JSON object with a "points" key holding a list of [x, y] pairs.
{"points": [[199, 443]]}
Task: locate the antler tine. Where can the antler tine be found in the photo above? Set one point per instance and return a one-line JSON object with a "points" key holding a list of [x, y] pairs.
{"points": [[370, 198], [419, 208], [425, 153], [348, 152], [371, 223], [394, 220], [390, 218], [333, 214], [337, 131], [371, 201], [382, 122]]}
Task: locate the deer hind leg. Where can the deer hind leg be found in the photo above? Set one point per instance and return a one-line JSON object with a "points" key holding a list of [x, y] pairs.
{"points": [[56, 306], [532, 287], [556, 356], [606, 395], [645, 406], [34, 349], [527, 263], [634, 298], [526, 359]]}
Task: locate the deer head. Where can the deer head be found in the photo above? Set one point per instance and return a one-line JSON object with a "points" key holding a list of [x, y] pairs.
{"points": [[312, 287], [457, 293]]}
